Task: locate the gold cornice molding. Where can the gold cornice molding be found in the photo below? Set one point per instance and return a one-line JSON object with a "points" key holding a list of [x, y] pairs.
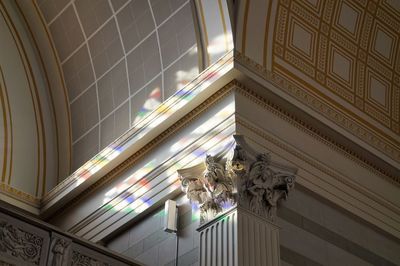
{"points": [[236, 86], [19, 195], [339, 117], [49, 88], [329, 172], [7, 123], [303, 126], [24, 57], [180, 124]]}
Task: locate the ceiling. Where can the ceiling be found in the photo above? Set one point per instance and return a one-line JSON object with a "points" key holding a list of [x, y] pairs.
{"points": [[339, 58], [120, 59]]}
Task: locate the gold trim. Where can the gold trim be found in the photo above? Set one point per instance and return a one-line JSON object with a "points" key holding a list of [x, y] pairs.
{"points": [[244, 33], [199, 38], [5, 103], [36, 104], [62, 82], [19, 195], [221, 12], [333, 113], [11, 131], [329, 172], [318, 94], [267, 33], [298, 123], [203, 22], [164, 109], [122, 167], [215, 98], [50, 92]]}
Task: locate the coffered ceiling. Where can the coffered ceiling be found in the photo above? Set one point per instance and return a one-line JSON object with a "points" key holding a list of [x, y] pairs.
{"points": [[341, 58]]}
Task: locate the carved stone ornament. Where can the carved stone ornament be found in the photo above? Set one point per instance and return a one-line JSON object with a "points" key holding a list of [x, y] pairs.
{"points": [[59, 251], [3, 263], [211, 186], [79, 259], [19, 243], [247, 179]]}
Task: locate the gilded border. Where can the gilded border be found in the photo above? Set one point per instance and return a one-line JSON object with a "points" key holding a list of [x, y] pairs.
{"points": [[276, 110], [182, 123], [34, 94], [361, 131], [298, 123]]}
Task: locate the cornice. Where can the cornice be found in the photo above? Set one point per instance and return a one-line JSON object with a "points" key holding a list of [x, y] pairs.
{"points": [[315, 133], [182, 123], [236, 86], [357, 128], [318, 165], [19, 195], [139, 133]]}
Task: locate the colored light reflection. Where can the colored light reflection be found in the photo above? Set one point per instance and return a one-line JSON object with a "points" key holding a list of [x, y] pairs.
{"points": [[126, 186], [195, 212], [186, 89], [129, 195], [152, 102], [96, 163], [150, 115]]}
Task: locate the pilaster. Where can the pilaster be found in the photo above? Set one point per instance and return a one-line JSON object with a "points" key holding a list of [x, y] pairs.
{"points": [[238, 193]]}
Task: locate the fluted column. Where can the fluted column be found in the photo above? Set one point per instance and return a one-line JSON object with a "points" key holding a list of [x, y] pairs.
{"points": [[238, 196]]}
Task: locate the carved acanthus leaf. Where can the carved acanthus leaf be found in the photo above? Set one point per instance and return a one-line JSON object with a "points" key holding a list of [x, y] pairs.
{"points": [[261, 187], [210, 185], [250, 179]]}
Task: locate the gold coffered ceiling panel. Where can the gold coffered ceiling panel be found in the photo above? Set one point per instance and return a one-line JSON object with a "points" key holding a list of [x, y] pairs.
{"points": [[342, 58]]}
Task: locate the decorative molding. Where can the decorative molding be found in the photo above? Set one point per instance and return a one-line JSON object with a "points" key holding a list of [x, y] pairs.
{"points": [[19, 195], [79, 259], [315, 133], [59, 251], [35, 97], [161, 113], [19, 243], [35, 26], [288, 117], [25, 241], [321, 106], [261, 187], [248, 179], [3, 263], [211, 185], [179, 125]]}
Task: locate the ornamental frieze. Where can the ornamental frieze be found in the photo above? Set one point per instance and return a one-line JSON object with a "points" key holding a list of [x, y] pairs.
{"points": [[20, 244]]}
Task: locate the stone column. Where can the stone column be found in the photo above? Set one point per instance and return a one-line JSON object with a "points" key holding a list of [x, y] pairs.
{"points": [[238, 197]]}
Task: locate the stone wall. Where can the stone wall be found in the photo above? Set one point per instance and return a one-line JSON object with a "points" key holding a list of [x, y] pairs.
{"points": [[313, 232]]}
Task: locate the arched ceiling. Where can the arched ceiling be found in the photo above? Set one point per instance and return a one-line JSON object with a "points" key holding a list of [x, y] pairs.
{"points": [[120, 59], [339, 58], [34, 123]]}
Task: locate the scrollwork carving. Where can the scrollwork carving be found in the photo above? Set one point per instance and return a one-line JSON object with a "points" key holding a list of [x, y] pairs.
{"points": [[252, 180], [212, 188], [19, 243], [261, 187], [79, 259]]}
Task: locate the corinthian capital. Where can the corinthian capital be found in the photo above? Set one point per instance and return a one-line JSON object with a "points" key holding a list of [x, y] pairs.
{"points": [[249, 179]]}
